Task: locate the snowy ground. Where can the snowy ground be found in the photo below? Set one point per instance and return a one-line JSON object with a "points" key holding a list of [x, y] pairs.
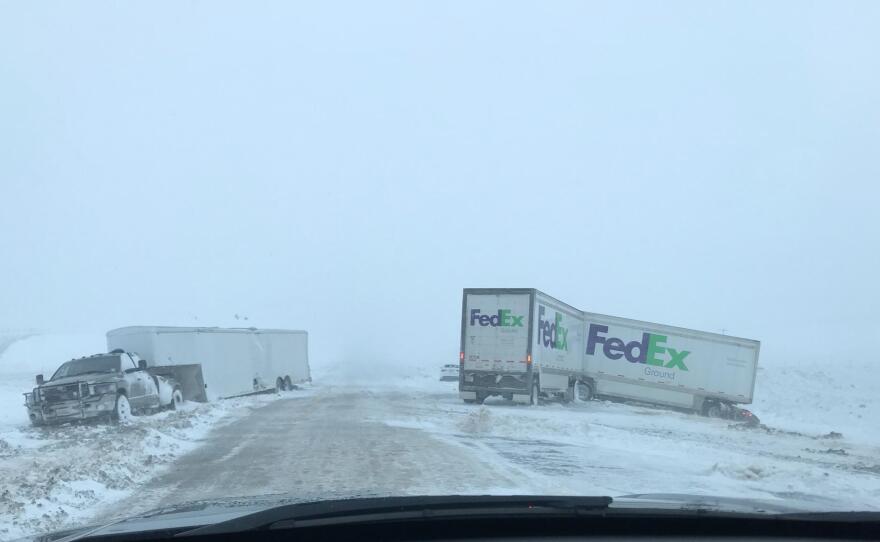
{"points": [[56, 477], [360, 431], [818, 442], [53, 478], [615, 449]]}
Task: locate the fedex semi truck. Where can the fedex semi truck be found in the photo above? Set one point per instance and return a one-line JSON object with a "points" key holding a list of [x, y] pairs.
{"points": [[519, 344], [524, 345]]}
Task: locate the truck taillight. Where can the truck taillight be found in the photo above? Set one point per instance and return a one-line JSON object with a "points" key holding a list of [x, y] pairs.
{"points": [[461, 357], [529, 359]]}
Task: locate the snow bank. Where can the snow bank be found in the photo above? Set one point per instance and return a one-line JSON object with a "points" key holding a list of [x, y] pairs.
{"points": [[23, 358], [52, 478], [44, 353], [820, 397]]}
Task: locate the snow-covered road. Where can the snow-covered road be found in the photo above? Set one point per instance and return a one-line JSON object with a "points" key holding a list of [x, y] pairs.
{"points": [[328, 444], [343, 441]]}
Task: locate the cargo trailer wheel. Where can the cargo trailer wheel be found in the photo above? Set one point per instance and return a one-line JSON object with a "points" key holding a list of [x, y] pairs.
{"points": [[176, 399], [122, 411], [279, 384], [288, 383]]}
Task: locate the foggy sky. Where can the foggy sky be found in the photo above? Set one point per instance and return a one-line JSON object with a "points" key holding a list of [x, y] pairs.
{"points": [[348, 168]]}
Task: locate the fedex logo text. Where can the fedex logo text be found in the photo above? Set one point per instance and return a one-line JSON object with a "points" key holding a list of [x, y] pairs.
{"points": [[551, 333], [652, 349], [502, 319]]}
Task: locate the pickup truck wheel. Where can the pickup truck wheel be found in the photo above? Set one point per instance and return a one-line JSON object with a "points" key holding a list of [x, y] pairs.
{"points": [[122, 411], [176, 399]]}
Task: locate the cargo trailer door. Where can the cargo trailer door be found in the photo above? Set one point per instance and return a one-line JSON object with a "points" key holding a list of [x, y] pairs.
{"points": [[495, 332]]}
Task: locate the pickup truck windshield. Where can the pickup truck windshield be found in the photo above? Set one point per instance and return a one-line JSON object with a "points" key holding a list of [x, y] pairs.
{"points": [[99, 364]]}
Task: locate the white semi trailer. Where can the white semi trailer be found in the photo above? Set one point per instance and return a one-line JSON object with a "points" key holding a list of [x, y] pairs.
{"points": [[519, 344], [234, 361], [666, 365], [524, 345]]}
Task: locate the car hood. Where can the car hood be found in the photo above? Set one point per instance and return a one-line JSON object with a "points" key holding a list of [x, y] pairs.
{"points": [[788, 504], [188, 514], [209, 512], [92, 378]]}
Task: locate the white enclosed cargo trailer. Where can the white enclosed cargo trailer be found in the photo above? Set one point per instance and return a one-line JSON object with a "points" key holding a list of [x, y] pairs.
{"points": [[523, 344], [234, 360]]}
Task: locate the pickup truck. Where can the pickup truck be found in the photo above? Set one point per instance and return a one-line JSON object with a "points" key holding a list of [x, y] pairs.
{"points": [[112, 386]]}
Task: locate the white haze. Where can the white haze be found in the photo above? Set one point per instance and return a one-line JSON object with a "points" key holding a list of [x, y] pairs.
{"points": [[347, 168]]}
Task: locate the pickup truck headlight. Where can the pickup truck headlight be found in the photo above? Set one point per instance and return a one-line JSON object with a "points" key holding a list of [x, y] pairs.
{"points": [[102, 388]]}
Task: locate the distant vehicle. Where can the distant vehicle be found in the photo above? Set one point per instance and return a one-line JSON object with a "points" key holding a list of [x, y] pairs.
{"points": [[234, 361], [524, 345], [113, 386], [449, 372]]}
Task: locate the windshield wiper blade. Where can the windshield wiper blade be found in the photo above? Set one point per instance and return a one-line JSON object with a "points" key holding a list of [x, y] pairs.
{"points": [[379, 508]]}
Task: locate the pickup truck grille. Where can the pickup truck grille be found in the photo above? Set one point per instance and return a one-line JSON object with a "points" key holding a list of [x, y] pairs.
{"points": [[55, 394]]}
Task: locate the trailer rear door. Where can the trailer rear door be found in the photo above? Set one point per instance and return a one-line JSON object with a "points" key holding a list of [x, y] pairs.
{"points": [[495, 330]]}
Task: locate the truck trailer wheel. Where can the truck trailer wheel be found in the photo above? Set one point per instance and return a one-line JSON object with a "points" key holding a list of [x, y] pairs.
{"points": [[288, 383], [279, 384], [122, 411], [584, 392], [714, 410]]}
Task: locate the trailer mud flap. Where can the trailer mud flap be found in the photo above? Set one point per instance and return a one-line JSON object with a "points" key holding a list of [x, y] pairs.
{"points": [[189, 377]]}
